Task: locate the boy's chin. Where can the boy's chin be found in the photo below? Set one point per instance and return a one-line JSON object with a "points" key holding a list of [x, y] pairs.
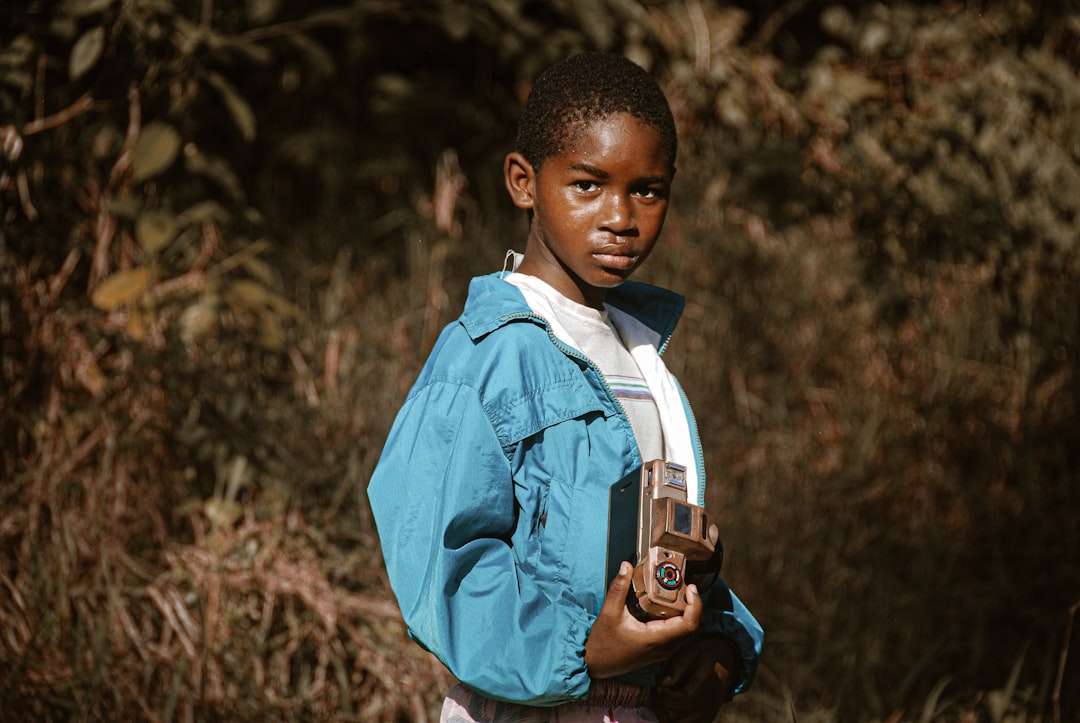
{"points": [[612, 278]]}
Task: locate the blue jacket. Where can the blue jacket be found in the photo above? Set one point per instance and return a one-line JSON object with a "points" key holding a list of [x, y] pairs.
{"points": [[491, 499]]}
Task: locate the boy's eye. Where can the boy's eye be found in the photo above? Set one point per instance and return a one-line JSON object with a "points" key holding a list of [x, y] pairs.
{"points": [[585, 186], [647, 192]]}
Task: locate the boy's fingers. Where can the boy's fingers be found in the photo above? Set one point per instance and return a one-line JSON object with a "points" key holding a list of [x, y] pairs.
{"points": [[671, 631], [615, 599], [695, 608]]}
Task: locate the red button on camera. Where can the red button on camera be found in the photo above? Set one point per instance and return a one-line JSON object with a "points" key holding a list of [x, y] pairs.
{"points": [[668, 575]]}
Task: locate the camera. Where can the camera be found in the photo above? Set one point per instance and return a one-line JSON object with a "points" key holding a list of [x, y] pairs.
{"points": [[674, 542]]}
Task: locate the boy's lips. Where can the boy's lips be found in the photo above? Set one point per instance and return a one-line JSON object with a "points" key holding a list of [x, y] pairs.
{"points": [[615, 259]]}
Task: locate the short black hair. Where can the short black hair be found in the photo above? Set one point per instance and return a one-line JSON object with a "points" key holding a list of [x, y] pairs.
{"points": [[584, 88]]}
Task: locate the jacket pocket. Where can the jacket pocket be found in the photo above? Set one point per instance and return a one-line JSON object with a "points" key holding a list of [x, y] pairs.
{"points": [[540, 407]]}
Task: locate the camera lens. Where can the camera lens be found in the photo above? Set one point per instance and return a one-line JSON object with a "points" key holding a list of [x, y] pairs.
{"points": [[668, 575]]}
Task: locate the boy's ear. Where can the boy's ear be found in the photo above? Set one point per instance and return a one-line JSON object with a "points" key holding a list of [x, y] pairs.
{"points": [[520, 180]]}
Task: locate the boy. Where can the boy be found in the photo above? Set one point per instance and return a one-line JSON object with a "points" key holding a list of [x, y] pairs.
{"points": [[491, 495]]}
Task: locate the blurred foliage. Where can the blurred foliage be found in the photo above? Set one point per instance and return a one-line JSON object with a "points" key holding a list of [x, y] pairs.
{"points": [[231, 232]]}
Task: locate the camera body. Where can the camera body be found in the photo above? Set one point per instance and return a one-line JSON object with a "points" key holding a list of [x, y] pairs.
{"points": [[677, 542]]}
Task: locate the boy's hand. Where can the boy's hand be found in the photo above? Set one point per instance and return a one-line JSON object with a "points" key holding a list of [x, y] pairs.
{"points": [[619, 642], [696, 681]]}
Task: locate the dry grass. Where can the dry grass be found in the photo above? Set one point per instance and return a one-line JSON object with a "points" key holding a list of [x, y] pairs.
{"points": [[127, 595]]}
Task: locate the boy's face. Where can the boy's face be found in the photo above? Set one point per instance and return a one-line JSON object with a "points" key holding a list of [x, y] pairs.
{"points": [[598, 207]]}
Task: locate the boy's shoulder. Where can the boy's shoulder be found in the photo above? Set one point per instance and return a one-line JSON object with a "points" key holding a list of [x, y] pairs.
{"points": [[491, 303], [504, 353], [496, 332]]}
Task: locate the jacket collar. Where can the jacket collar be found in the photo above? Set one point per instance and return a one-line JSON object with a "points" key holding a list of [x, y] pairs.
{"points": [[492, 303]]}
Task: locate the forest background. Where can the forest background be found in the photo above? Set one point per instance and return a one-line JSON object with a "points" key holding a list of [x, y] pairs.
{"points": [[231, 232]]}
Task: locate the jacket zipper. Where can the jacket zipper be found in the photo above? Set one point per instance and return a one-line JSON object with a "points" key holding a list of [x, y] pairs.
{"points": [[699, 451]]}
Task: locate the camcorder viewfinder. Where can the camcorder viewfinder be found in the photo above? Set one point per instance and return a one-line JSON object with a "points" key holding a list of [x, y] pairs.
{"points": [[670, 541]]}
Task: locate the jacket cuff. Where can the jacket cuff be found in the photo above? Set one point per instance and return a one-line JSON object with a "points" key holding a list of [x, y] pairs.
{"points": [[726, 624], [574, 670]]}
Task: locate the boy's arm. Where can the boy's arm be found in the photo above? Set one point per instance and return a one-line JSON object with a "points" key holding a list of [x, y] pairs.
{"points": [[444, 505], [726, 615], [712, 666], [696, 681]]}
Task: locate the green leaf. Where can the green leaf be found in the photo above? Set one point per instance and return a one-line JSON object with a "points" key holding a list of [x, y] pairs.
{"points": [[316, 54], [126, 207], [155, 229], [155, 151], [254, 295], [218, 170], [122, 287], [260, 12], [208, 211], [236, 104], [456, 21], [19, 51], [82, 8], [86, 52]]}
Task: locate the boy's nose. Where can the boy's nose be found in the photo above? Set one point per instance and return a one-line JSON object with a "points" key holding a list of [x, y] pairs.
{"points": [[619, 214]]}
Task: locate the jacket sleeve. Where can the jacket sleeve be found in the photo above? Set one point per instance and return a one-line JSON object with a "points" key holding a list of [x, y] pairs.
{"points": [[726, 614], [444, 505]]}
